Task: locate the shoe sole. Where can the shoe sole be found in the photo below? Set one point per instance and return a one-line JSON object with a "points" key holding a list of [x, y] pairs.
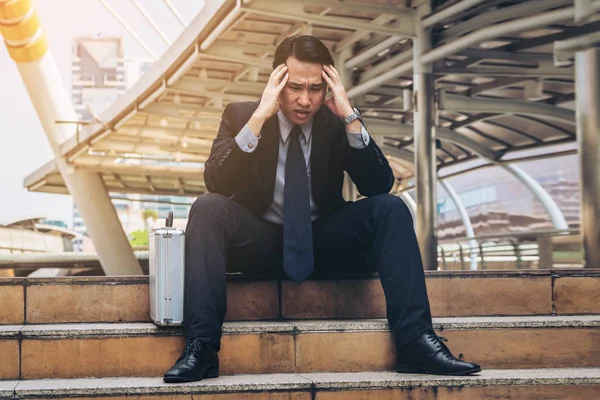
{"points": [[414, 369], [175, 379]]}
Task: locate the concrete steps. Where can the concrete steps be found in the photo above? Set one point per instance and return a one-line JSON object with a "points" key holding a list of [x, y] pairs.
{"points": [[142, 349], [452, 294], [530, 384], [81, 337]]}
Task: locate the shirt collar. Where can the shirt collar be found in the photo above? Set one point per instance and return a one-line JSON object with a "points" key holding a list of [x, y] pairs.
{"points": [[286, 126]]}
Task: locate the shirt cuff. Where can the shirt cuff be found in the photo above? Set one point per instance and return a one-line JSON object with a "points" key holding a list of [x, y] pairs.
{"points": [[246, 140], [358, 140]]}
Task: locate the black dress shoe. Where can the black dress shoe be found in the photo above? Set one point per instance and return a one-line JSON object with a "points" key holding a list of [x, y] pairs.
{"points": [[199, 360], [429, 355]]}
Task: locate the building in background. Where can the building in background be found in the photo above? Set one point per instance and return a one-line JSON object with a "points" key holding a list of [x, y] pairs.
{"points": [[497, 202], [100, 75]]}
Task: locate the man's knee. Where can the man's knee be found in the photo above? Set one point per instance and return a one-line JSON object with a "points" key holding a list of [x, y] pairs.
{"points": [[209, 204], [389, 203]]}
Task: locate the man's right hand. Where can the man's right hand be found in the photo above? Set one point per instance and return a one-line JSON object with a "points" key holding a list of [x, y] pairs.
{"points": [[269, 104]]}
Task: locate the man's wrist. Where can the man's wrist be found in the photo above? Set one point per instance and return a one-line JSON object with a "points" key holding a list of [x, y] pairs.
{"points": [[351, 117], [256, 123], [346, 111], [354, 126]]}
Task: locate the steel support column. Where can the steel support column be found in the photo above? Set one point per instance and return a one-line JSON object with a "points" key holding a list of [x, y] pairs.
{"points": [[587, 78], [470, 233], [424, 134]]}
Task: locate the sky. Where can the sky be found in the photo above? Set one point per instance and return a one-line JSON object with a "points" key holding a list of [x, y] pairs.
{"points": [[23, 144]]}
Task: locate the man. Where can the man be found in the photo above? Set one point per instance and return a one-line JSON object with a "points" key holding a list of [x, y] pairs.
{"points": [[275, 174]]}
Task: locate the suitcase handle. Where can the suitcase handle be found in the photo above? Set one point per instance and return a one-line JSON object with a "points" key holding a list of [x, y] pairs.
{"points": [[169, 221]]}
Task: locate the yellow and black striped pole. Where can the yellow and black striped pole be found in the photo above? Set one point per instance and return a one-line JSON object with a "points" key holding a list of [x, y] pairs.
{"points": [[27, 45]]}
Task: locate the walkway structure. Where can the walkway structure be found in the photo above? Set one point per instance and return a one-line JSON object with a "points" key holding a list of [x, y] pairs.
{"points": [[444, 86]]}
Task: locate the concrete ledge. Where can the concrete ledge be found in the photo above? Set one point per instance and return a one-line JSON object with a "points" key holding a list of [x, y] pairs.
{"points": [[292, 327], [10, 331], [371, 380], [154, 386], [451, 294], [7, 388], [108, 350], [319, 382]]}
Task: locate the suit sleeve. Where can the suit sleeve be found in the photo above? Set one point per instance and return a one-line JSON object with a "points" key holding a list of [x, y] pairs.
{"points": [[223, 171], [369, 169]]}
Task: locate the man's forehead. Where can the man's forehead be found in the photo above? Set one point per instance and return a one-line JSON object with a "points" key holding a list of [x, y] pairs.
{"points": [[304, 80]]}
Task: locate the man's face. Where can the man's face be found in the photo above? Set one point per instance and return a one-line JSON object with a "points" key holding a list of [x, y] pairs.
{"points": [[304, 92]]}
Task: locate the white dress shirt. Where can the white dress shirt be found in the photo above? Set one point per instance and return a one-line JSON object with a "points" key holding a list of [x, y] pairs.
{"points": [[248, 143]]}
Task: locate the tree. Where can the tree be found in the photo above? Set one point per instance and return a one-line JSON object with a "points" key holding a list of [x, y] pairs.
{"points": [[147, 216], [139, 238], [149, 213]]}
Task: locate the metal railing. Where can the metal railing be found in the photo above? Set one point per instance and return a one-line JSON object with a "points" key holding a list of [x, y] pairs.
{"points": [[543, 249], [524, 250]]}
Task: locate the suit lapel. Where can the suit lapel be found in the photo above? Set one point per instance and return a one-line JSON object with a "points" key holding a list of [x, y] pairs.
{"points": [[269, 145], [319, 157]]}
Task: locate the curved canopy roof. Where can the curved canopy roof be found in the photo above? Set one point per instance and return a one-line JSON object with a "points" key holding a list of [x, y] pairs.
{"points": [[503, 72]]}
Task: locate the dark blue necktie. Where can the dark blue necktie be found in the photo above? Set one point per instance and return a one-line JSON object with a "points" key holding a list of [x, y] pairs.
{"points": [[298, 259]]}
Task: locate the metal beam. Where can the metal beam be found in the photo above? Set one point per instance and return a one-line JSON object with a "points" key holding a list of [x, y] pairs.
{"points": [[143, 149], [199, 85], [233, 53], [502, 29], [295, 10], [379, 127], [357, 36], [151, 22], [508, 71], [366, 54], [503, 14], [217, 95], [495, 84], [396, 10], [172, 109], [93, 164], [175, 13], [129, 30], [451, 102], [482, 54], [542, 195], [466, 220], [402, 154], [564, 50], [387, 65], [449, 12], [587, 64], [293, 30], [380, 79], [424, 144]]}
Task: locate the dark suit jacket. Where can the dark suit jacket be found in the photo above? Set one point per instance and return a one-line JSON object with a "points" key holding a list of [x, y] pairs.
{"points": [[249, 178]]}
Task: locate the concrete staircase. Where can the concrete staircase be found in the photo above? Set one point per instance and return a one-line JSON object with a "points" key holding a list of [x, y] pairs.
{"points": [[535, 333]]}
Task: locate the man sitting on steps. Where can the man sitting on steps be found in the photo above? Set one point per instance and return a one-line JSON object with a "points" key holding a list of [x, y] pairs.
{"points": [[275, 173]]}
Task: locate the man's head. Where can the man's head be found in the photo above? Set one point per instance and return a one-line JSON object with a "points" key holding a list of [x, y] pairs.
{"points": [[305, 90]]}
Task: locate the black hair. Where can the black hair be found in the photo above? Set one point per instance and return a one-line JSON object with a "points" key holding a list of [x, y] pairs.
{"points": [[305, 48]]}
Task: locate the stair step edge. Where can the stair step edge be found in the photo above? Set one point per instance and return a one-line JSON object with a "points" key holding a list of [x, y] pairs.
{"points": [[297, 326], [294, 382]]}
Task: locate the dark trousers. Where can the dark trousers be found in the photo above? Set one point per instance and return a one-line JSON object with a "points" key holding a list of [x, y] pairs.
{"points": [[221, 236]]}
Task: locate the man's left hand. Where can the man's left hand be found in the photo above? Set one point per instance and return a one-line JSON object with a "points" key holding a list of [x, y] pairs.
{"points": [[338, 103]]}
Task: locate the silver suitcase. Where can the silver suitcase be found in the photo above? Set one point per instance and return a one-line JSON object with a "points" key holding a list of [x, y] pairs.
{"points": [[167, 273]]}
